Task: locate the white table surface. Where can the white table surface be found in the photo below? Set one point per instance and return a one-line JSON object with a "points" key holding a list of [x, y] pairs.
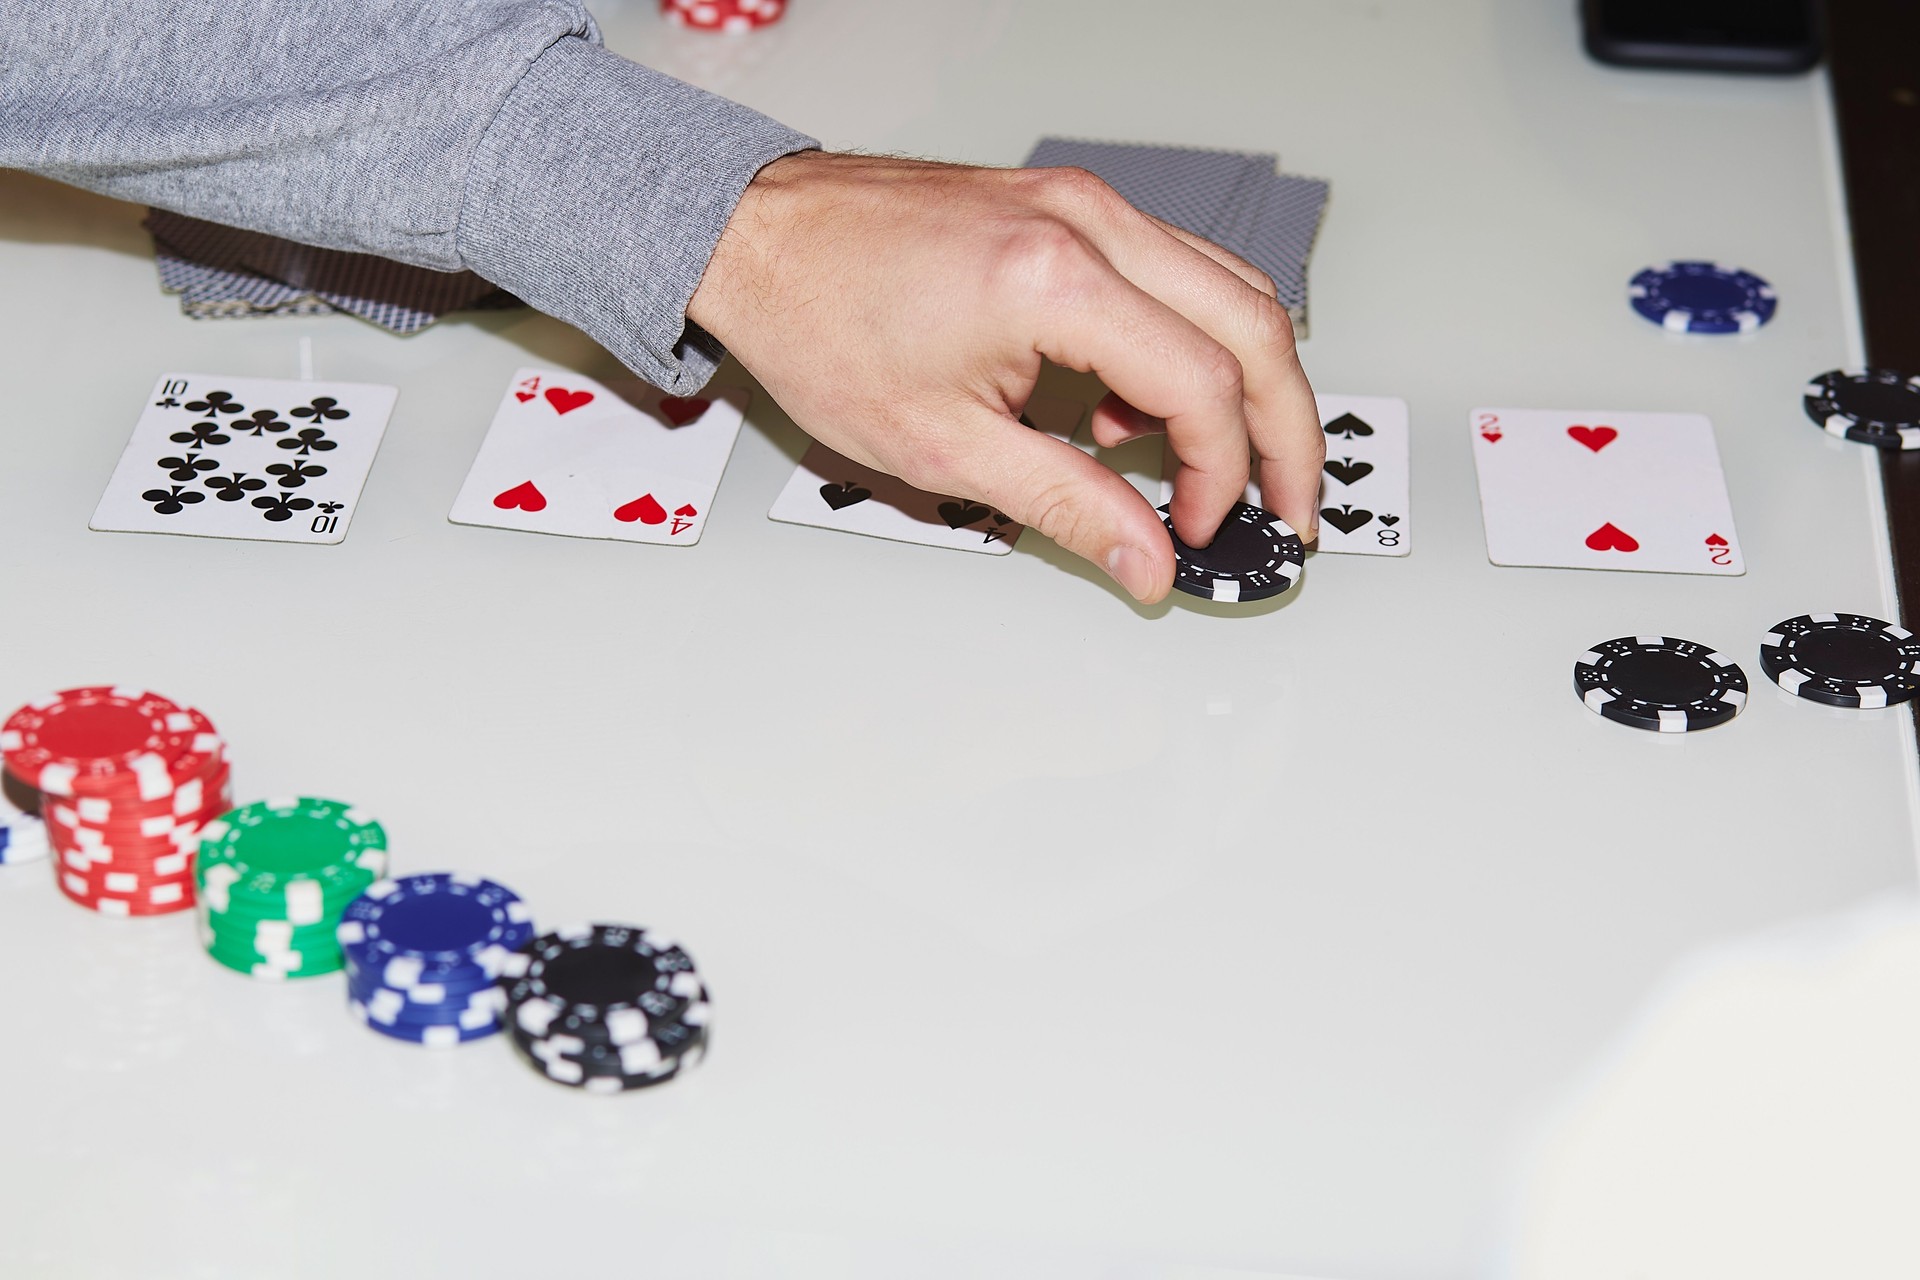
{"points": [[1049, 935]]}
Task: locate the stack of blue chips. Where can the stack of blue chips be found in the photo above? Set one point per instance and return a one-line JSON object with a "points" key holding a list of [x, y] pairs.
{"points": [[422, 954]]}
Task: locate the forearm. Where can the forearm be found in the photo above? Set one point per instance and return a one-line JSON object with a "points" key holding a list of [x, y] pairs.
{"points": [[494, 135]]}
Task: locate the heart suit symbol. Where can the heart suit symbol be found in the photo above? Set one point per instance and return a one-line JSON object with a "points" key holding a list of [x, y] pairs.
{"points": [[681, 411], [645, 508], [1610, 537], [524, 496], [565, 401]]}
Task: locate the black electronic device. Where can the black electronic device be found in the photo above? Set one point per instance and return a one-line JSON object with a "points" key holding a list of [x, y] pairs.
{"points": [[1780, 37]]}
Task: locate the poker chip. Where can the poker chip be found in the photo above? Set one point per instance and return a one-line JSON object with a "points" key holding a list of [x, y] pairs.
{"points": [[606, 1007], [1702, 297], [574, 1061], [1660, 683], [124, 779], [112, 744], [1255, 555], [1880, 407], [275, 877], [723, 15], [1842, 659], [422, 953]]}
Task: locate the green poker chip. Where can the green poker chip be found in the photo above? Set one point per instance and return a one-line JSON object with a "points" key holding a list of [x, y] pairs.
{"points": [[273, 878], [298, 855], [273, 967]]}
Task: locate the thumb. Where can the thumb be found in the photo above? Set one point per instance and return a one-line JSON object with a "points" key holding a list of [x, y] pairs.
{"points": [[1086, 507]]}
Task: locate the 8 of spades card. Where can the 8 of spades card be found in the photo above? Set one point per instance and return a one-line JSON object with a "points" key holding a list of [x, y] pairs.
{"points": [[1365, 482], [256, 458]]}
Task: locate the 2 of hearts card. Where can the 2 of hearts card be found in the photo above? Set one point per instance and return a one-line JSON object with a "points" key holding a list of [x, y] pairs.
{"points": [[258, 458], [829, 491], [584, 459], [1604, 490]]}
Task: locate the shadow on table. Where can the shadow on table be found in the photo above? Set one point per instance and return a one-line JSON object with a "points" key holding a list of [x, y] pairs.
{"points": [[36, 210]]}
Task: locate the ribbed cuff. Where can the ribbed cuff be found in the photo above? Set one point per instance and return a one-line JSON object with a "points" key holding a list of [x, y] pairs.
{"points": [[598, 194]]}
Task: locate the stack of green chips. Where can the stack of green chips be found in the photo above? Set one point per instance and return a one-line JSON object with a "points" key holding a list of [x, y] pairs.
{"points": [[273, 878]]}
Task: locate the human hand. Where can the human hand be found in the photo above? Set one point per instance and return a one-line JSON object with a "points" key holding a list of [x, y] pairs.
{"points": [[899, 311]]}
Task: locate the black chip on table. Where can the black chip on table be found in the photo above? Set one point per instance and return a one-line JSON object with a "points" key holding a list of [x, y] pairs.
{"points": [[1842, 659], [1880, 407], [1660, 683], [1255, 555]]}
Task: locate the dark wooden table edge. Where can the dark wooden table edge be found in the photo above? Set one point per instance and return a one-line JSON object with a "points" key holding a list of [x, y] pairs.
{"points": [[1873, 49]]}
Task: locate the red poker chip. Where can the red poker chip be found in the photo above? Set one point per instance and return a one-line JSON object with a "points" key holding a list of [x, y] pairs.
{"points": [[197, 801], [144, 898], [112, 743], [164, 868], [159, 857], [723, 15]]}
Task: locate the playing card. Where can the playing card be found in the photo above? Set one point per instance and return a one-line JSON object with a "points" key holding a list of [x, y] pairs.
{"points": [[572, 456], [1277, 233], [261, 458], [829, 491], [1604, 490], [1194, 189], [1364, 484]]}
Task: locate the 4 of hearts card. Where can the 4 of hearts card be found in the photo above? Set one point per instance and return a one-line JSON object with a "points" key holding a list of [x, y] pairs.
{"points": [[258, 458], [1595, 489], [572, 456]]}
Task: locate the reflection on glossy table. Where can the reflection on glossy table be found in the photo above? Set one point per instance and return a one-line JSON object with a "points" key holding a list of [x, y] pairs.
{"points": [[1049, 935]]}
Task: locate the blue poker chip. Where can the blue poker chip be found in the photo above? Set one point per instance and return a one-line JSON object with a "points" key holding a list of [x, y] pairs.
{"points": [[1702, 297], [433, 1035], [23, 836], [448, 989], [433, 928], [390, 1008]]}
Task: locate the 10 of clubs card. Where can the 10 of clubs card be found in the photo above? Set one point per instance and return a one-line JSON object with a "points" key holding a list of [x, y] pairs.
{"points": [[1364, 483], [830, 491], [1594, 489], [259, 458], [572, 456]]}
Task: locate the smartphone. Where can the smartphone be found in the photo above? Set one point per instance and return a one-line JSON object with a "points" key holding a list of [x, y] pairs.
{"points": [[1779, 37]]}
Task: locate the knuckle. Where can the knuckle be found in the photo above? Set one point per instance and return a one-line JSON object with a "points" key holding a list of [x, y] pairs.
{"points": [[1075, 188], [1219, 374], [1055, 511], [1043, 257], [1270, 328]]}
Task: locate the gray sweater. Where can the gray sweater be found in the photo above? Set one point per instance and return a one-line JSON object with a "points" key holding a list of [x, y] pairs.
{"points": [[494, 135]]}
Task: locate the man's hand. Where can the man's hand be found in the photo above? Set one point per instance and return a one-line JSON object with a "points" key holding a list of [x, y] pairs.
{"points": [[899, 311]]}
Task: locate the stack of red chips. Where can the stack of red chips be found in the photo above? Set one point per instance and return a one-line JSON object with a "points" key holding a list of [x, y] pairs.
{"points": [[126, 780], [724, 15]]}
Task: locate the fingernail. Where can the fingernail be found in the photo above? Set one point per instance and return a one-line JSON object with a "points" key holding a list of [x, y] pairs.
{"points": [[1132, 569]]}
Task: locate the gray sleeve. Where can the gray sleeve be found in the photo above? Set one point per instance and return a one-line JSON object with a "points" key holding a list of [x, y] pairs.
{"points": [[492, 135]]}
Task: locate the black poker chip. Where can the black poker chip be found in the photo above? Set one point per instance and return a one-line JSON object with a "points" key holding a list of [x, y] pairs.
{"points": [[605, 1007], [1660, 683], [1255, 555], [1880, 407], [1843, 659], [599, 980], [603, 1068]]}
